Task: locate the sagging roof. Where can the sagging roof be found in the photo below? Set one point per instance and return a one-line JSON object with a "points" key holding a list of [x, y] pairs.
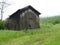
{"points": [[20, 11]]}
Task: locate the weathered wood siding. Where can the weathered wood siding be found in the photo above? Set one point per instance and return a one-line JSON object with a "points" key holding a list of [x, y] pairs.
{"points": [[29, 20], [26, 20]]}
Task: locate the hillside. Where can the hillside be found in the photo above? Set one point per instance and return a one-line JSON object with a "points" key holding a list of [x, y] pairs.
{"points": [[51, 20], [47, 34]]}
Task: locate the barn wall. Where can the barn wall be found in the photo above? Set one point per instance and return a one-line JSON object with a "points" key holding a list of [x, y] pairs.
{"points": [[26, 20], [13, 22], [29, 18]]}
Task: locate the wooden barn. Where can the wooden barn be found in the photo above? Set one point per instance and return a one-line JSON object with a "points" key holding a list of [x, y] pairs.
{"points": [[25, 18]]}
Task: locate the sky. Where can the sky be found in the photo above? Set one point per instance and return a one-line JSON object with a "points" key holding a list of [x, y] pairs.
{"points": [[47, 8]]}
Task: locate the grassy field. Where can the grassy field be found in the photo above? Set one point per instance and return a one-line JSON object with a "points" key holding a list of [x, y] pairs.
{"points": [[47, 34]]}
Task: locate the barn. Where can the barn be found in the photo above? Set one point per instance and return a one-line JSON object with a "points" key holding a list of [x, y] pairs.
{"points": [[25, 18]]}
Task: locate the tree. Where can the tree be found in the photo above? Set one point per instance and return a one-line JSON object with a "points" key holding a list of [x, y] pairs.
{"points": [[3, 5]]}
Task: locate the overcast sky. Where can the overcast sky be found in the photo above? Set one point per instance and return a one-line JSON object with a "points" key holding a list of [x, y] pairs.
{"points": [[45, 7]]}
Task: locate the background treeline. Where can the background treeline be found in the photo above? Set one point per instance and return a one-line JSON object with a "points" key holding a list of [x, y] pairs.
{"points": [[51, 20]]}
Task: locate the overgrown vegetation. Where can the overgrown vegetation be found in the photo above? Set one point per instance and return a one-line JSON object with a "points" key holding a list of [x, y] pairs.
{"points": [[51, 20], [47, 34], [2, 25]]}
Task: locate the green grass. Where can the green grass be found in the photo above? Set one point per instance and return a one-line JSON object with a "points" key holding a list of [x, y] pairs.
{"points": [[47, 34]]}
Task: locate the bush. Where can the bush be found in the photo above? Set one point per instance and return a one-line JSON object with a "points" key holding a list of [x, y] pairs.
{"points": [[2, 25], [55, 22]]}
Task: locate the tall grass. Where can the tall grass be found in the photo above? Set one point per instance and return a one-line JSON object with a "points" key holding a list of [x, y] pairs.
{"points": [[47, 34]]}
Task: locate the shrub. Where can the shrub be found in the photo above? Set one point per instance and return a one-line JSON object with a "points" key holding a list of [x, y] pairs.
{"points": [[55, 22], [2, 26]]}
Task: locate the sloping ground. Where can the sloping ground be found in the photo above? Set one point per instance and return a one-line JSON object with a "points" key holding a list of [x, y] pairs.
{"points": [[47, 35]]}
